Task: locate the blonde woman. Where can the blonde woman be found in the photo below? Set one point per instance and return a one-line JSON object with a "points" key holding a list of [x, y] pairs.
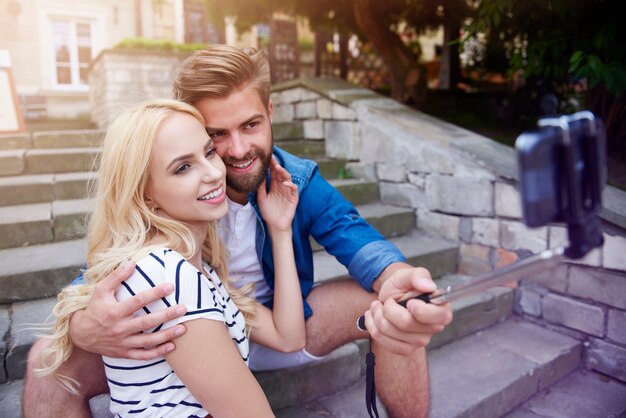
{"points": [[161, 190]]}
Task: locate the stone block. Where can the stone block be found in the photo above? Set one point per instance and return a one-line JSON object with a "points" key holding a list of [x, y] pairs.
{"points": [[432, 160], [324, 109], [616, 327], [12, 162], [401, 194], [465, 230], [486, 231], [70, 218], [28, 319], [557, 237], [475, 259], [395, 173], [25, 225], [573, 314], [417, 179], [528, 302], [553, 279], [504, 258], [446, 226], [306, 94], [291, 95], [62, 160], [460, 196], [313, 129], [508, 203], [21, 190], [365, 171], [14, 141], [342, 140], [283, 113], [602, 286], [306, 110], [614, 252], [517, 236], [68, 139], [74, 185], [340, 112], [607, 358]]}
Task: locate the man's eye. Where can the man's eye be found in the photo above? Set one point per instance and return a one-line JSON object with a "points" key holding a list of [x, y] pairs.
{"points": [[182, 168], [253, 124], [216, 134]]}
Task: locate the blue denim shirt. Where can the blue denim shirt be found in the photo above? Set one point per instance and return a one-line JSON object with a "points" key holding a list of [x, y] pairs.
{"points": [[335, 224]]}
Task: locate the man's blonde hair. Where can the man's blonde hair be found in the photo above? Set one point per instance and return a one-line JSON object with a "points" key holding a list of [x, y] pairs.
{"points": [[219, 70], [123, 227]]}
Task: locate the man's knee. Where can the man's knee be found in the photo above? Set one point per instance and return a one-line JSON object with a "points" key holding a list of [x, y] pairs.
{"points": [[83, 367]]}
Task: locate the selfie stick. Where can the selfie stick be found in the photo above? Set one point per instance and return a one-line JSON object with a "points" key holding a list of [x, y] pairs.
{"points": [[578, 163]]}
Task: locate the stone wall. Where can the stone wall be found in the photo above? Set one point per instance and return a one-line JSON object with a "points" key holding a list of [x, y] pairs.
{"points": [[119, 78], [462, 186]]}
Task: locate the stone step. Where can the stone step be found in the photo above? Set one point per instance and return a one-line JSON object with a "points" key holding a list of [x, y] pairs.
{"points": [[357, 191], [287, 130], [39, 271], [491, 372], [40, 223], [341, 369], [420, 249], [463, 386], [581, 394], [332, 169], [59, 220], [40, 188], [389, 221], [48, 160], [304, 148]]}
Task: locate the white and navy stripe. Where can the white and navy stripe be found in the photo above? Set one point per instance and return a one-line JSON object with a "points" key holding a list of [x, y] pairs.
{"points": [[151, 388]]}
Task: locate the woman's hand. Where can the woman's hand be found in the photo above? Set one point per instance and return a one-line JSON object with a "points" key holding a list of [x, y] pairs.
{"points": [[278, 205]]}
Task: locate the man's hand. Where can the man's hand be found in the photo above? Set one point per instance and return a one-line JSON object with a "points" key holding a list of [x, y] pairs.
{"points": [[403, 330], [107, 327]]}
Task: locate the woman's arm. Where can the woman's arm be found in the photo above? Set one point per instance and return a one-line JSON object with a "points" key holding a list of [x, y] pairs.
{"points": [[281, 328], [210, 366]]}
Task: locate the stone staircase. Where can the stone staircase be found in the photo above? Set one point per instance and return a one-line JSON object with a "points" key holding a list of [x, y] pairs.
{"points": [[487, 363]]}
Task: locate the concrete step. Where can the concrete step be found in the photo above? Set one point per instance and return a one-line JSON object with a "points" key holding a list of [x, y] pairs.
{"points": [[304, 148], [420, 249], [48, 160], [357, 191], [491, 372], [40, 188], [390, 221], [39, 271], [340, 370], [332, 169], [287, 131], [40, 223], [581, 394], [66, 138]]}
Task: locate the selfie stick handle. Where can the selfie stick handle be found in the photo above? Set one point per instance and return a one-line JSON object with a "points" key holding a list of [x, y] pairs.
{"points": [[523, 268]]}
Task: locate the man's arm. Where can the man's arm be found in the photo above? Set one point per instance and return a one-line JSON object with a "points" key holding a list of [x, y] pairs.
{"points": [[108, 327]]}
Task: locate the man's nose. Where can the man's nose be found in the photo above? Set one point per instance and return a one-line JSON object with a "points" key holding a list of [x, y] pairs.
{"points": [[238, 146]]}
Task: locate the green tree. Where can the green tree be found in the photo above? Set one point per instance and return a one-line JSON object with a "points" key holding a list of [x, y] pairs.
{"points": [[381, 22], [569, 43]]}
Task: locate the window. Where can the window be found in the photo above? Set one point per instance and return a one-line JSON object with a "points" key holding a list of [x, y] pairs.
{"points": [[73, 47]]}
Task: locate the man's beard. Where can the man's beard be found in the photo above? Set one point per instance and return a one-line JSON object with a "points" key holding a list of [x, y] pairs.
{"points": [[248, 183]]}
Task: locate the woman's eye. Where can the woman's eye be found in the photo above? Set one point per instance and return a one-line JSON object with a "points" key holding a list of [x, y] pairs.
{"points": [[210, 153], [182, 168]]}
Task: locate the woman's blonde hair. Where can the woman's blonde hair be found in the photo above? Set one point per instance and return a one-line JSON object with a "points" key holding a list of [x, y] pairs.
{"points": [[123, 227]]}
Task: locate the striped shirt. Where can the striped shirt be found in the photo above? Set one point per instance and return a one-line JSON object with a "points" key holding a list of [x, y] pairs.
{"points": [[150, 388]]}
